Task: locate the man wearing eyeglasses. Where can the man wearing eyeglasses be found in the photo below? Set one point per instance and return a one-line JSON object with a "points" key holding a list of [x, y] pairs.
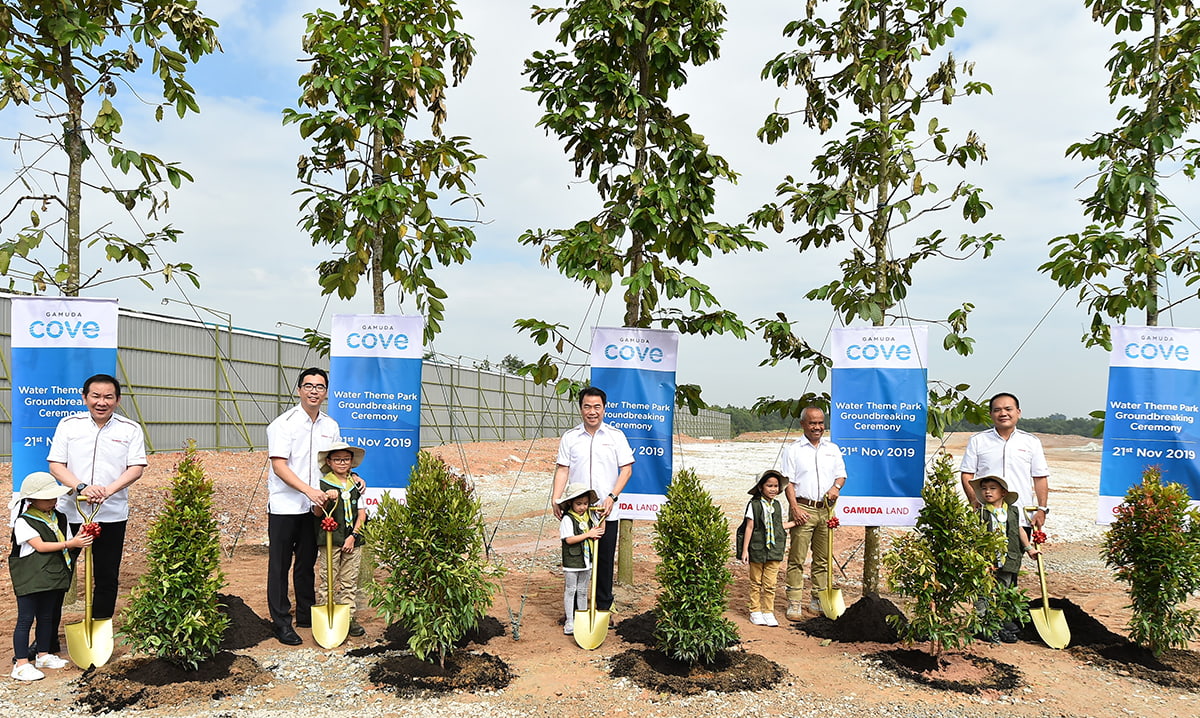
{"points": [[293, 440]]}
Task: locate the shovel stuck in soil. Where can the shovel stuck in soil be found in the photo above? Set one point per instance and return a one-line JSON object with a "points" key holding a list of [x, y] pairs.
{"points": [[591, 626], [330, 622], [832, 603], [1051, 623], [90, 641]]}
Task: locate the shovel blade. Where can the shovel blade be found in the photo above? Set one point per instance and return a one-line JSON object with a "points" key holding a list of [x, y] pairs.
{"points": [[832, 603], [591, 627], [90, 645], [1051, 625], [330, 624]]}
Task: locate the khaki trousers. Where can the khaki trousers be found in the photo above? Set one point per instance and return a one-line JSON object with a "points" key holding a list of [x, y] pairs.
{"points": [[345, 576], [813, 533], [763, 577]]}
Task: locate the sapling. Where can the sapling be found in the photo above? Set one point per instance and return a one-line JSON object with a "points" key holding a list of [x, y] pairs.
{"points": [[944, 566], [1154, 546], [691, 538], [438, 583], [173, 612]]}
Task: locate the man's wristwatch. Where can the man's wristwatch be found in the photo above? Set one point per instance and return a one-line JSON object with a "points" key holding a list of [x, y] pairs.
{"points": [[613, 496], [79, 489], [1044, 509]]}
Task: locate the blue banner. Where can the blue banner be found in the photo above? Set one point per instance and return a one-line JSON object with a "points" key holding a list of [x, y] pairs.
{"points": [[878, 418], [1152, 417], [636, 369], [375, 395], [57, 343]]}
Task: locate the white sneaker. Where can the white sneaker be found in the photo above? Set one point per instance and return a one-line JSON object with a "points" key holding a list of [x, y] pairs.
{"points": [[49, 661], [815, 607], [757, 618], [26, 672], [769, 620], [568, 629]]}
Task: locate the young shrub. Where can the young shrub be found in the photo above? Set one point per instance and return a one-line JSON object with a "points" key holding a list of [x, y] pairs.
{"points": [[1154, 546], [691, 539], [438, 584], [173, 612], [944, 566]]}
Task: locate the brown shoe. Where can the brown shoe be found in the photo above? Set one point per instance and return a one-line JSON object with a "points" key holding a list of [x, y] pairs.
{"points": [[795, 611]]}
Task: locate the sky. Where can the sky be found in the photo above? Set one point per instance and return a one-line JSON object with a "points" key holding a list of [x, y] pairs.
{"points": [[1043, 58]]}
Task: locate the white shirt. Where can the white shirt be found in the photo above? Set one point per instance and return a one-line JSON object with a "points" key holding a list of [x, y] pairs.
{"points": [[98, 455], [295, 437], [595, 460], [1017, 461], [812, 469]]}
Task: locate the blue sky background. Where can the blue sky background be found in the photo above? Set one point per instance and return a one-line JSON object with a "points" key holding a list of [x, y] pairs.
{"points": [[1044, 59]]}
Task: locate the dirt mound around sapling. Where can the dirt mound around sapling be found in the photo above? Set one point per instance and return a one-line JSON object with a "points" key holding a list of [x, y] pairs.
{"points": [[154, 682], [463, 671], [246, 628], [960, 672], [638, 629], [1173, 669], [863, 622], [1085, 630], [731, 671], [395, 637]]}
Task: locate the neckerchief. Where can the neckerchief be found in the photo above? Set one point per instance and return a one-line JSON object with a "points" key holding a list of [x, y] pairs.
{"points": [[49, 520], [768, 508], [344, 494]]}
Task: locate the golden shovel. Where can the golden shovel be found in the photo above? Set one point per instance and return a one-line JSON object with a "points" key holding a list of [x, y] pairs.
{"points": [[90, 641], [832, 603], [331, 622], [591, 626], [1051, 623]]}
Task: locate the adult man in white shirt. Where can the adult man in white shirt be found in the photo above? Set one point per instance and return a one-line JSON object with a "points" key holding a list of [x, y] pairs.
{"points": [[599, 457], [98, 453], [816, 474], [1017, 456], [294, 439]]}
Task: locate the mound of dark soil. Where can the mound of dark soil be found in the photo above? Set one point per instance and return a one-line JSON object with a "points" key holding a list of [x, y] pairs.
{"points": [[732, 671], [638, 629], [246, 628], [463, 671], [395, 637], [1173, 669], [153, 682], [1085, 630], [863, 622], [961, 672]]}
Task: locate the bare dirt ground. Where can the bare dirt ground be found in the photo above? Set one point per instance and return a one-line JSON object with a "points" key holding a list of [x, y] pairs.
{"points": [[555, 677]]}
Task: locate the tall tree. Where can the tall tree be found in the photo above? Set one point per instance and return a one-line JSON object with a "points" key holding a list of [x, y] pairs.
{"points": [[607, 99], [60, 58], [870, 188], [371, 180], [1155, 67]]}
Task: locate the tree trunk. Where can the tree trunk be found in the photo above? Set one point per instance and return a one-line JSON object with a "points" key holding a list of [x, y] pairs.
{"points": [[76, 150], [378, 179]]}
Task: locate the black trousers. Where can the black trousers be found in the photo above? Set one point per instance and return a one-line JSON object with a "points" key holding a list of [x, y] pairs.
{"points": [[293, 547], [46, 608], [604, 565], [107, 550]]}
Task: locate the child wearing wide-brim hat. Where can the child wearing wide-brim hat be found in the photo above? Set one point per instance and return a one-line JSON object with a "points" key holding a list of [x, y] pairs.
{"points": [[578, 525], [998, 512], [763, 539], [345, 508], [40, 569]]}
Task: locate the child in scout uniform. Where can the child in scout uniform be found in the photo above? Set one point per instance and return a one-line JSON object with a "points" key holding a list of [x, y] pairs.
{"points": [[763, 545], [576, 528], [343, 505], [998, 512], [40, 567]]}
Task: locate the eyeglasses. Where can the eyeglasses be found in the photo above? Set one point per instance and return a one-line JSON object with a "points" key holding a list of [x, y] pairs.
{"points": [[340, 459], [313, 387]]}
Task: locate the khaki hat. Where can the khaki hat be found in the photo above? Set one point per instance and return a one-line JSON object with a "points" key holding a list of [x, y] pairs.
{"points": [[756, 490], [1009, 498], [356, 455], [574, 491], [39, 485]]}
